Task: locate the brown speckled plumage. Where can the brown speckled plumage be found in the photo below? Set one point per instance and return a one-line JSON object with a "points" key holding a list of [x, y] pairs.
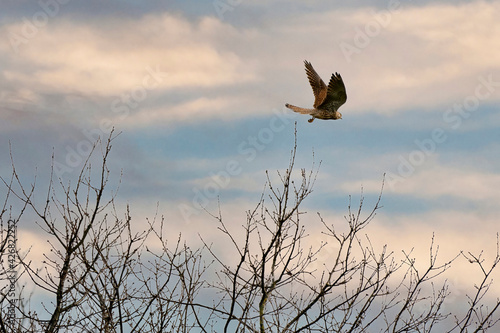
{"points": [[327, 99]]}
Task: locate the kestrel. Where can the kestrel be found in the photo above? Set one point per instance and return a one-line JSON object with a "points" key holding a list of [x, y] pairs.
{"points": [[327, 100]]}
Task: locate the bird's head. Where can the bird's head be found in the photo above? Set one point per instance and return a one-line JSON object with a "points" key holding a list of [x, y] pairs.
{"points": [[340, 115]]}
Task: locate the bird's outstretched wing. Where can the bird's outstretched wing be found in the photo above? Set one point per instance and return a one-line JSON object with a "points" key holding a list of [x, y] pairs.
{"points": [[318, 86], [336, 95]]}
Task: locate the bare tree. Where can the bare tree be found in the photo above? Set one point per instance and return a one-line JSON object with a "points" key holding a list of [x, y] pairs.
{"points": [[99, 273], [102, 275], [275, 287]]}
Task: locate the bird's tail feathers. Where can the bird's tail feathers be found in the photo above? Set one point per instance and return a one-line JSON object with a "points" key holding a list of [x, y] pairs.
{"points": [[299, 109]]}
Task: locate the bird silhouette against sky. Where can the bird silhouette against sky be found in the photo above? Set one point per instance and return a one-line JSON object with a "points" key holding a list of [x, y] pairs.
{"points": [[327, 100]]}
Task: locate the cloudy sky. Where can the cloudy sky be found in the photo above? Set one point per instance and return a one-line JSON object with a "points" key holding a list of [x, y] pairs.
{"points": [[197, 91]]}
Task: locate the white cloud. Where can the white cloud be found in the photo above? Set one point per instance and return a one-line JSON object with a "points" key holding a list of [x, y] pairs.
{"points": [[436, 180], [189, 111], [421, 57], [425, 56], [110, 58]]}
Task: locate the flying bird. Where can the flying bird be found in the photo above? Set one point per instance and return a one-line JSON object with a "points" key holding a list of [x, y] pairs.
{"points": [[327, 100]]}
